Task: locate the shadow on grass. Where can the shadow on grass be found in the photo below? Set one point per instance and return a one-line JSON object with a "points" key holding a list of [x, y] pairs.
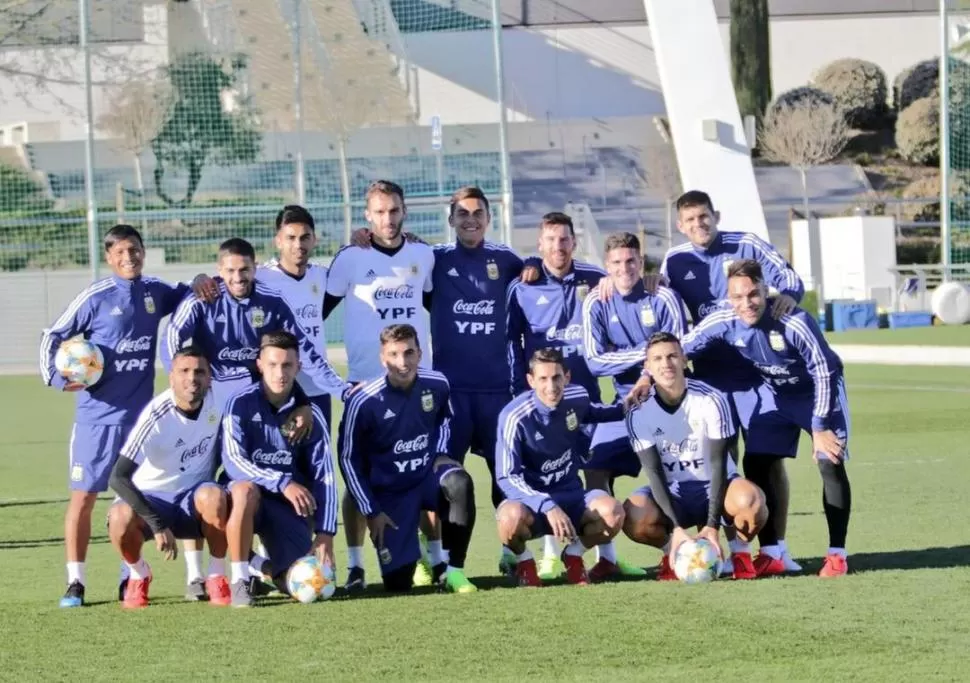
{"points": [[42, 501], [925, 558], [44, 542]]}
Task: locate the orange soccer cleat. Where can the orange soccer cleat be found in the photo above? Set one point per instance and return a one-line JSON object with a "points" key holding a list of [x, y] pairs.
{"points": [[766, 565], [743, 566], [527, 574], [835, 565], [575, 570], [136, 593], [217, 587]]}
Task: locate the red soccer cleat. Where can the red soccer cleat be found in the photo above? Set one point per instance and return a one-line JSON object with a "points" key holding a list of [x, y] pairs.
{"points": [[665, 572], [527, 574], [766, 565], [743, 566], [603, 570], [136, 593], [217, 588], [575, 570], [835, 565]]}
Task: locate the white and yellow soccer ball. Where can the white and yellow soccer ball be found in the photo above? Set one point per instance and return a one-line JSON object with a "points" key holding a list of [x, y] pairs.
{"points": [[309, 580], [697, 561], [80, 361]]}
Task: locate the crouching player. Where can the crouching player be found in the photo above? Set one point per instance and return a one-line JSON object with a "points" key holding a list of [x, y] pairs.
{"points": [[276, 487], [164, 480], [393, 454], [541, 440], [681, 434]]}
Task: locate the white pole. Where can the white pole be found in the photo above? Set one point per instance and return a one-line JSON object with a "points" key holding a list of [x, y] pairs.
{"points": [[298, 103], [945, 228], [503, 127], [92, 206]]}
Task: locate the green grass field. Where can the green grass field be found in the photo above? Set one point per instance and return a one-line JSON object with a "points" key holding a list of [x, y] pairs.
{"points": [[903, 613], [940, 335]]}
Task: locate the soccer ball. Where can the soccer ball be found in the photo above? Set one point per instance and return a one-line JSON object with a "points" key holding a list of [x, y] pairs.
{"points": [[697, 561], [79, 361], [308, 580]]}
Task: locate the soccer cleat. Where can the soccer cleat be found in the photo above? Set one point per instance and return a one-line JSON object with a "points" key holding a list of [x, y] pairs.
{"points": [[575, 570], [195, 591], [527, 575], [766, 565], [743, 566], [241, 597], [218, 590], [790, 564], [506, 564], [122, 587], [664, 571], [603, 570], [727, 566], [627, 569], [422, 574], [835, 565], [355, 580], [550, 568], [455, 581], [74, 597], [136, 594]]}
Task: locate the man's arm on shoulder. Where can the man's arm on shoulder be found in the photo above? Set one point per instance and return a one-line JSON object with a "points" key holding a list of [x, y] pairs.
{"points": [[778, 273], [182, 327], [705, 333]]}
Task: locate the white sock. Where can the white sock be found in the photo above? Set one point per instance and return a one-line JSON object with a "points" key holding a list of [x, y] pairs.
{"points": [[257, 563], [240, 571], [139, 570], [772, 551], [783, 546], [550, 546], [217, 566], [193, 565], [75, 572], [739, 546], [435, 554], [524, 555], [124, 573], [606, 551], [355, 556], [838, 551], [450, 569], [575, 548]]}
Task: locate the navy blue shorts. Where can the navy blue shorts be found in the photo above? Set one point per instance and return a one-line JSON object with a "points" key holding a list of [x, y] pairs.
{"points": [[93, 451], [474, 425], [401, 546], [574, 503], [611, 451], [286, 536], [690, 500], [176, 510]]}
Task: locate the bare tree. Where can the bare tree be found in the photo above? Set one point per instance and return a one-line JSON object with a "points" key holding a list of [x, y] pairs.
{"points": [[803, 136], [662, 175]]}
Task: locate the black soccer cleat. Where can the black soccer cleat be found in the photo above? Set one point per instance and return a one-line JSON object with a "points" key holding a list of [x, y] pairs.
{"points": [[438, 571], [74, 597], [122, 587], [356, 583]]}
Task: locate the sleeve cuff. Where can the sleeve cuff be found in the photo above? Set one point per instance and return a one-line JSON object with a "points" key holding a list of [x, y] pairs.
{"points": [[819, 424], [546, 505], [283, 482], [58, 381]]}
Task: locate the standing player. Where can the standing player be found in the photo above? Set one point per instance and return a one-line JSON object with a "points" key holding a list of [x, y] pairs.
{"points": [[615, 339], [548, 313], [680, 435], [394, 458], [384, 284], [276, 486], [541, 435], [164, 479], [120, 314], [802, 389]]}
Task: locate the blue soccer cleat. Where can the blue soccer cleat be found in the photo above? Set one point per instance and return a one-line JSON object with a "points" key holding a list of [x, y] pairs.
{"points": [[74, 597]]}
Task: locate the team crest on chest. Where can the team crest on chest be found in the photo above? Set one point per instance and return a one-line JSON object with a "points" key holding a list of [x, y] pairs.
{"points": [[491, 269], [427, 401], [212, 418], [315, 289], [726, 265], [257, 317], [149, 304], [647, 318], [582, 290], [414, 269], [572, 422], [776, 341]]}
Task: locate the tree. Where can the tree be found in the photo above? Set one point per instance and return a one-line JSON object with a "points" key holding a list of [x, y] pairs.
{"points": [[661, 173], [751, 56], [204, 126], [19, 191]]}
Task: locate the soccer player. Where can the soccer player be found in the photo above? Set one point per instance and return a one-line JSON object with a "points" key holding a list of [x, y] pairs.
{"points": [[680, 434], [384, 284], [229, 329], [541, 439], [548, 313], [615, 334], [164, 479], [276, 487], [802, 389], [120, 314], [394, 457]]}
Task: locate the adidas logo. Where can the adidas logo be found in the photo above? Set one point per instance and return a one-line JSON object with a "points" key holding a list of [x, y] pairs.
{"points": [[257, 418], [542, 300], [371, 273], [116, 311], [221, 318], [740, 342], [658, 432], [179, 443], [614, 318], [453, 273], [389, 414], [539, 436], [690, 275]]}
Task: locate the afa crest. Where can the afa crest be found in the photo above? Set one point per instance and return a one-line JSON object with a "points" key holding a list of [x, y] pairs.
{"points": [[572, 422], [427, 401], [726, 265], [257, 317], [581, 291], [315, 289], [414, 269], [149, 304], [491, 269], [647, 318], [212, 418], [776, 341]]}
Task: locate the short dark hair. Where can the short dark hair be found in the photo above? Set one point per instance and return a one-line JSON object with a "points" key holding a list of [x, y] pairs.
{"points": [[467, 192], [191, 351], [547, 355], [383, 187], [662, 338], [557, 218], [280, 339], [746, 267], [119, 233], [237, 246], [621, 240], [693, 198], [294, 213], [399, 332]]}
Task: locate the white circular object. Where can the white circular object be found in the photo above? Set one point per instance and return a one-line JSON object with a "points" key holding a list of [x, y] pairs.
{"points": [[697, 561], [79, 362], [307, 580], [951, 303]]}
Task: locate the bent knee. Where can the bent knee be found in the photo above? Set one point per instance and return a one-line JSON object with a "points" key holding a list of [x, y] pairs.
{"points": [[210, 498], [513, 518], [244, 494], [457, 484], [120, 518], [610, 511], [643, 521], [741, 495]]}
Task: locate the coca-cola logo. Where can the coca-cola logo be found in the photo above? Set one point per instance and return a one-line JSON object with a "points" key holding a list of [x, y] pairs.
{"points": [[565, 334], [706, 309], [483, 307], [198, 449], [307, 311], [560, 462], [388, 293], [134, 345], [415, 445], [274, 458], [244, 354]]}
